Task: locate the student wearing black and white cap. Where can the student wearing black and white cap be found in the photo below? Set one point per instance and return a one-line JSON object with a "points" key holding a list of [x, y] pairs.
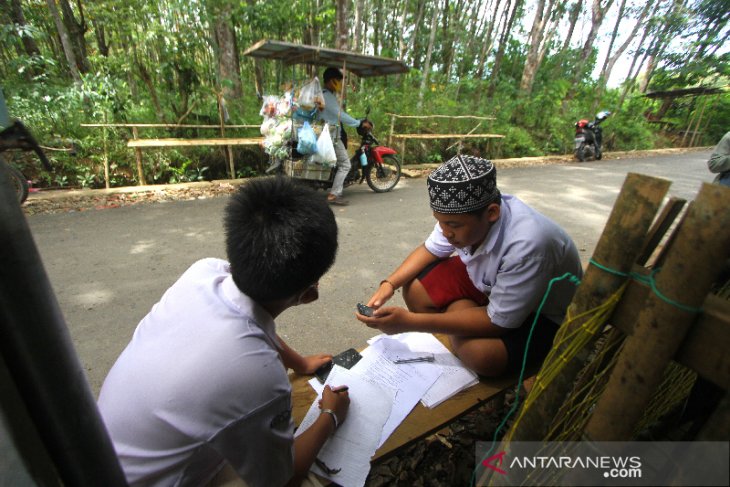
{"points": [[482, 273]]}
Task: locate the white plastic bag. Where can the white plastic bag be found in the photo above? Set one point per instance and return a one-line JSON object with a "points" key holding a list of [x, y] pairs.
{"points": [[325, 148], [311, 95]]}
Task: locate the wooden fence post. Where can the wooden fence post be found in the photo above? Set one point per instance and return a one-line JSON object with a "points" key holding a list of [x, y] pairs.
{"points": [[392, 127], [620, 243], [685, 278], [138, 155]]}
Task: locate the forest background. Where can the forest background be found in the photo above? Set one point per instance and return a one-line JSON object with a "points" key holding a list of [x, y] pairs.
{"points": [[536, 66]]}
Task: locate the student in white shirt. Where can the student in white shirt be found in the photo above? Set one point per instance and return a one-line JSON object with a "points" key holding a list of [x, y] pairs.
{"points": [[485, 297], [203, 383]]}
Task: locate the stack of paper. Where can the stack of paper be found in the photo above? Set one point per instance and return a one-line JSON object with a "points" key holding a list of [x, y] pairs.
{"points": [[454, 377], [382, 394], [353, 444]]}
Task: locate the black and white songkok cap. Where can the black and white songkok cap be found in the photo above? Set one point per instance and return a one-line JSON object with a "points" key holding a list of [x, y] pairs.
{"points": [[463, 184]]}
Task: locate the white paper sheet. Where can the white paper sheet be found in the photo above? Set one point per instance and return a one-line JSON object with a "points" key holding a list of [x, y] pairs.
{"points": [[410, 381], [356, 440], [455, 377]]}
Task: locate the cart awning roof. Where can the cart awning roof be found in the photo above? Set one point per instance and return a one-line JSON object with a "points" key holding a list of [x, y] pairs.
{"points": [[360, 64]]}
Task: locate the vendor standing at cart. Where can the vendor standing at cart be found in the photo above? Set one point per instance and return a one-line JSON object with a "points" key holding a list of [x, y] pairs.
{"points": [[333, 114]]}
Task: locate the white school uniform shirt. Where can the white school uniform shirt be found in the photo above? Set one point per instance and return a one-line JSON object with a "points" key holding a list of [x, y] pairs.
{"points": [[201, 383], [522, 252]]}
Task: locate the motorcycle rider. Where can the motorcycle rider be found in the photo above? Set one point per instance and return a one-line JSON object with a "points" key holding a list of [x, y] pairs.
{"points": [[333, 114]]}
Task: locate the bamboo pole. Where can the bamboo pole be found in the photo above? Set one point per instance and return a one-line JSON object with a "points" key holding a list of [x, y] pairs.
{"points": [[689, 127], [697, 125], [619, 245], [702, 241], [392, 127], [229, 151], [163, 125], [138, 156], [106, 158], [442, 116]]}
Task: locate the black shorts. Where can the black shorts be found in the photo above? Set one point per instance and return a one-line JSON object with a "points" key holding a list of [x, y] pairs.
{"points": [[541, 342]]}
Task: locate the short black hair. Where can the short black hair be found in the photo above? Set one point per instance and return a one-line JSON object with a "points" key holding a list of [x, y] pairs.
{"points": [[331, 73], [280, 238]]}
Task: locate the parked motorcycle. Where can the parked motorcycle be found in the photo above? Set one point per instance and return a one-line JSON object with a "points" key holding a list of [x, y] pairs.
{"points": [[589, 137]]}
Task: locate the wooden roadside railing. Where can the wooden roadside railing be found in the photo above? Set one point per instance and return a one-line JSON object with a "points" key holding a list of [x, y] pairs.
{"points": [[460, 137], [138, 143]]}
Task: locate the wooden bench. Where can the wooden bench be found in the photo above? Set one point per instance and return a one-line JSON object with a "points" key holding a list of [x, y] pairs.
{"points": [[422, 421]]}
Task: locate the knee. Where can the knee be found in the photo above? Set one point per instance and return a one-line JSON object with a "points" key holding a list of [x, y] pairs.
{"points": [[486, 357], [417, 299]]}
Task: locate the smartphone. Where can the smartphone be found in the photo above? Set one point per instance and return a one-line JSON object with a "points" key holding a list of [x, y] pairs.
{"points": [[364, 310], [346, 359]]}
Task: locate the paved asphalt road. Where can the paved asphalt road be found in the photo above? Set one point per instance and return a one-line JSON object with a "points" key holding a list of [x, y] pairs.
{"points": [[108, 267]]}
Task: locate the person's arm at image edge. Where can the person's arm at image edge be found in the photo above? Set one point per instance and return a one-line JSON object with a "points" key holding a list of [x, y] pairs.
{"points": [[720, 159]]}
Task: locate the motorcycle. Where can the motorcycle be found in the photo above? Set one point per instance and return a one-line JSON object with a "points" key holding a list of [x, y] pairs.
{"points": [[376, 164], [17, 136], [589, 137]]}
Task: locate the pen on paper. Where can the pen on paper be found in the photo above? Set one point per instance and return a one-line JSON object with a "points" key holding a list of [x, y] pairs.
{"points": [[427, 358], [341, 389]]}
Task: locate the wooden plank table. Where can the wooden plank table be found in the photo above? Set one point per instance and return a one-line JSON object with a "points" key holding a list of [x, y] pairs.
{"points": [[422, 421]]}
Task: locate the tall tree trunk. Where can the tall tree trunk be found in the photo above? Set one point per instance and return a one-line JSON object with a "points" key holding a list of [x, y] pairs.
{"points": [[16, 14], [427, 67], [229, 69], [535, 52], [598, 13], [445, 36], [487, 41], [572, 20], [358, 39], [503, 39], [614, 33], [612, 58], [147, 79], [100, 35], [454, 37], [65, 41], [414, 36], [76, 30], [341, 25], [630, 80], [660, 42]]}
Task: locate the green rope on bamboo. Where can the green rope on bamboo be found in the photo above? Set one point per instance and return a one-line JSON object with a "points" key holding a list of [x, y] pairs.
{"points": [[571, 278], [651, 282]]}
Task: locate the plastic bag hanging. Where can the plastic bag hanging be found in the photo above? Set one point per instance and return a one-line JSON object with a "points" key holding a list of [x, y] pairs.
{"points": [[325, 147], [307, 140], [311, 95]]}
